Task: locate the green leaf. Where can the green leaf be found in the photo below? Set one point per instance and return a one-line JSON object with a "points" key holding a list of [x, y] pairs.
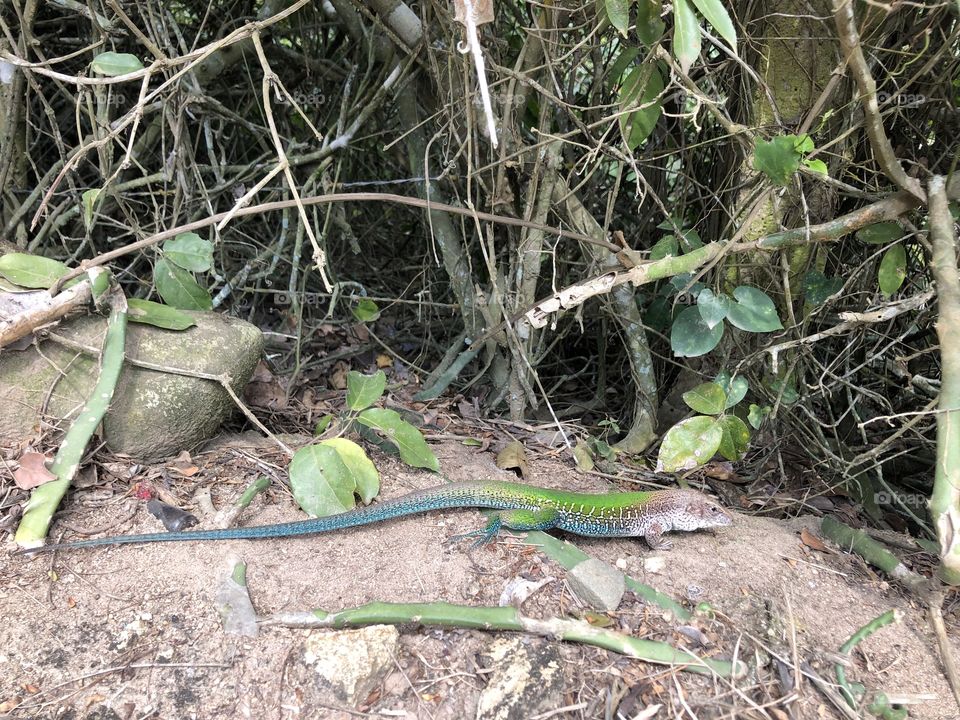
{"points": [[618, 12], [619, 67], [366, 310], [161, 316], [817, 287], [364, 390], [785, 389], [636, 127], [690, 240], [778, 159], [818, 166], [178, 288], [689, 444], [736, 437], [735, 388], [113, 64], [413, 448], [713, 308], [706, 399], [754, 311], [31, 271], [893, 269], [719, 20], [686, 35], [322, 424], [880, 233], [363, 473], [189, 251], [690, 336], [757, 415], [667, 246], [88, 199], [320, 481], [649, 25], [802, 143]]}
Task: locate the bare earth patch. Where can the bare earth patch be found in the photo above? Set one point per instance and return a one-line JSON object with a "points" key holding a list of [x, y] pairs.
{"points": [[133, 632]]}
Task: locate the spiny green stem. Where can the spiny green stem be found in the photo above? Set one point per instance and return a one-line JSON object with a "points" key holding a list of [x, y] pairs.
{"points": [[506, 618], [45, 499], [569, 555]]}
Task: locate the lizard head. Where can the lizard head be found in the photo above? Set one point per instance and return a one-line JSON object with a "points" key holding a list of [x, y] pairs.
{"points": [[699, 511]]}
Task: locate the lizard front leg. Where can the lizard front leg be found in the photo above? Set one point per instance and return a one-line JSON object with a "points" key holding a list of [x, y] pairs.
{"points": [[655, 539]]}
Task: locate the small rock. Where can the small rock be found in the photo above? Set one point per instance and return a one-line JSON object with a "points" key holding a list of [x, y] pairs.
{"points": [[348, 663], [597, 584], [526, 681]]}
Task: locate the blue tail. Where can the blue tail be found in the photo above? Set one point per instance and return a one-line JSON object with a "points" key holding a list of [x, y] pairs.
{"points": [[455, 495]]}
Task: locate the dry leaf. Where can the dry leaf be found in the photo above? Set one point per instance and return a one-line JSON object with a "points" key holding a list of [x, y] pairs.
{"points": [[721, 471], [812, 541], [384, 360], [482, 11], [338, 378], [32, 471], [514, 456]]}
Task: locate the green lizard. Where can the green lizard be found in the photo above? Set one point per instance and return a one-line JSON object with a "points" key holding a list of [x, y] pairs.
{"points": [[523, 507]]}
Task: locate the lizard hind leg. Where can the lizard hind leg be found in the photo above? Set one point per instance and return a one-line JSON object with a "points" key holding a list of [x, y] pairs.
{"points": [[542, 519]]}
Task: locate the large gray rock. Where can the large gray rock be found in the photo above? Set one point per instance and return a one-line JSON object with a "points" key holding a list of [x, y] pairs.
{"points": [[154, 413]]}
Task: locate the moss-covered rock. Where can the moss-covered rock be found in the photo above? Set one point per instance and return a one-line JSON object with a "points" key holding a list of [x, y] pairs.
{"points": [[155, 413]]}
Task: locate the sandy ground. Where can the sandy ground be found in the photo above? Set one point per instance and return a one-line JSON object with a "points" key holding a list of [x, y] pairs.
{"points": [[132, 632]]}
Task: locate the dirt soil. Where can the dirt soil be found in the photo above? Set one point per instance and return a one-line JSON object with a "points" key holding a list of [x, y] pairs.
{"points": [[132, 632]]}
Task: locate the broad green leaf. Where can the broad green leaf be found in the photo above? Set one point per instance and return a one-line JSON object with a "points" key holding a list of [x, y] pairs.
{"points": [[31, 271], [686, 34], [817, 287], [364, 390], [757, 415], [364, 475], [89, 199], [659, 313], [803, 143], [893, 269], [818, 166], [471, 442], [366, 310], [785, 390], [736, 437], [189, 251], [778, 159], [753, 311], [690, 240], [706, 399], [618, 12], [602, 449], [113, 64], [178, 288], [667, 246], [320, 481], [649, 25], [161, 316], [880, 233], [735, 388], [713, 308], [619, 67], [690, 336], [715, 14], [636, 127], [689, 444], [413, 448]]}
